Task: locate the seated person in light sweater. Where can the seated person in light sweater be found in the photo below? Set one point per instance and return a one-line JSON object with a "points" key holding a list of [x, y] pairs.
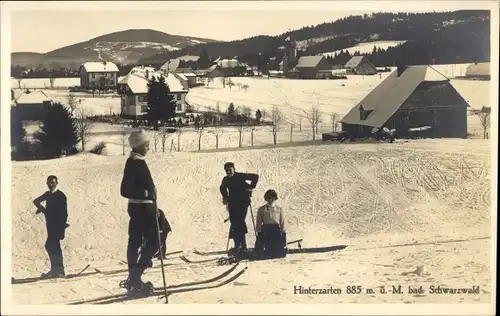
{"points": [[271, 228]]}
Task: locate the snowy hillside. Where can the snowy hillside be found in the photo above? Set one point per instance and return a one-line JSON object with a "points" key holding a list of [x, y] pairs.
{"points": [[367, 47]]}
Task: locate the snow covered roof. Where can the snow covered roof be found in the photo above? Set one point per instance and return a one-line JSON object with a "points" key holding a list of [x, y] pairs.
{"points": [[230, 63], [173, 64], [354, 61], [34, 97], [479, 69], [309, 61], [100, 66], [138, 83], [390, 94], [142, 70]]}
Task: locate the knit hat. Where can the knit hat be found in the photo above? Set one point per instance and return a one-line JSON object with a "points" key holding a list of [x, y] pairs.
{"points": [[138, 138]]}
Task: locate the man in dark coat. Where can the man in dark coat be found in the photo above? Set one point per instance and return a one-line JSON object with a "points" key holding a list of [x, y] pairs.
{"points": [[56, 217], [236, 193], [138, 187]]}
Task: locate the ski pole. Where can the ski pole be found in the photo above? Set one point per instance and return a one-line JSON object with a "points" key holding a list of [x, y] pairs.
{"points": [[253, 220], [161, 257]]}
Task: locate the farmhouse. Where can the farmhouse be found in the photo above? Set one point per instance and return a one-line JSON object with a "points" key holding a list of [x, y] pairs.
{"points": [[189, 74], [32, 105], [173, 64], [133, 89], [227, 68], [411, 97], [360, 65], [313, 67], [98, 75], [478, 71]]}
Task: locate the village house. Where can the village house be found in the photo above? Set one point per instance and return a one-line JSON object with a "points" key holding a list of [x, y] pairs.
{"points": [[189, 76], [360, 65], [32, 105], [172, 64], [133, 89], [312, 67], [98, 75], [411, 98], [478, 71], [227, 68]]}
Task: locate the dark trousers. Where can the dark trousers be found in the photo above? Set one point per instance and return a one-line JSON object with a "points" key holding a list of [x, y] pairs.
{"points": [[142, 226], [238, 229], [53, 247], [271, 242]]}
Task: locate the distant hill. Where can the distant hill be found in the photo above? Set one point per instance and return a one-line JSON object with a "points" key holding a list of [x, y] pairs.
{"points": [[440, 37], [124, 47]]}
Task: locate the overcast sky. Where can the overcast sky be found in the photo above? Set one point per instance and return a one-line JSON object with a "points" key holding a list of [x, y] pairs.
{"points": [[42, 31]]}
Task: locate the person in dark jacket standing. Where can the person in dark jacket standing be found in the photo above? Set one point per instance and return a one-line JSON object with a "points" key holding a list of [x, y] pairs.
{"points": [[236, 193], [56, 217], [138, 187]]}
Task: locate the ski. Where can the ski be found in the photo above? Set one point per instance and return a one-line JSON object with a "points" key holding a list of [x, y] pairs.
{"points": [[41, 278], [159, 290], [160, 293], [223, 252], [183, 258]]}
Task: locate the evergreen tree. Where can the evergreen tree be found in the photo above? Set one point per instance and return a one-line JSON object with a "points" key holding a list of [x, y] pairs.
{"points": [[258, 116], [58, 134], [161, 104], [231, 111], [203, 61], [17, 130]]}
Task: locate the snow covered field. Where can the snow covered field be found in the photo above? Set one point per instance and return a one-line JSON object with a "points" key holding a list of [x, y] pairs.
{"points": [[415, 193]]}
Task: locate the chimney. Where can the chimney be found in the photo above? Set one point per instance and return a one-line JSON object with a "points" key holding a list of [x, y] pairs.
{"points": [[401, 69]]}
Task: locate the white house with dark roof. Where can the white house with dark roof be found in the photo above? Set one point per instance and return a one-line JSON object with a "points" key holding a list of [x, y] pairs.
{"points": [[98, 75], [133, 89]]}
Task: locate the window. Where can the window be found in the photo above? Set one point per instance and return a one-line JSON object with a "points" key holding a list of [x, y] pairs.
{"points": [[142, 98], [93, 76], [178, 108], [179, 97], [144, 108]]}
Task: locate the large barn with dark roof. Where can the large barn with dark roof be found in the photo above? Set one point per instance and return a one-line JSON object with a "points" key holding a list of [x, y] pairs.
{"points": [[411, 97]]}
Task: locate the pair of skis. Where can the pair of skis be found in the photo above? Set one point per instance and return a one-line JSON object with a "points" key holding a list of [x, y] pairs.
{"points": [[172, 289], [225, 260]]}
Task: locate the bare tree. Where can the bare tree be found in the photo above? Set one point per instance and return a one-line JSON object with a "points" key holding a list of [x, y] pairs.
{"points": [[485, 119], [291, 132], [179, 133], [239, 85], [241, 129], [164, 136], [156, 140], [252, 129], [230, 83], [276, 118], [83, 125], [334, 117], [223, 80], [124, 141], [19, 82], [52, 80], [72, 102], [217, 130], [314, 118], [245, 87], [200, 132]]}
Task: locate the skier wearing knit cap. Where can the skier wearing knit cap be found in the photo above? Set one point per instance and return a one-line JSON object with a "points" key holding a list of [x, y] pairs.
{"points": [[236, 193], [138, 187]]}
